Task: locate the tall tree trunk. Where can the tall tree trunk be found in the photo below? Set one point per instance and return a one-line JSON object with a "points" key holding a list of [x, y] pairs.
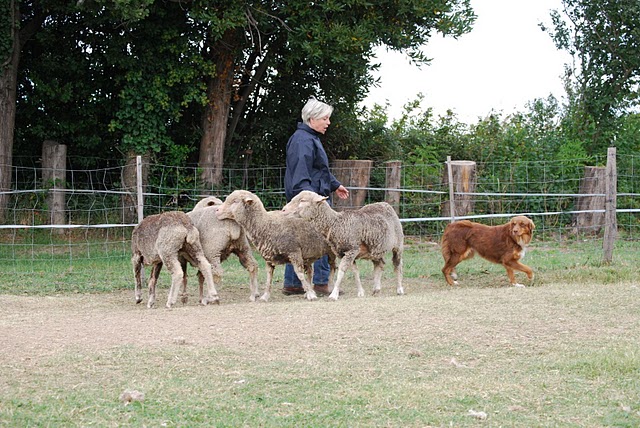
{"points": [[247, 86], [8, 86], [9, 62], [216, 114]]}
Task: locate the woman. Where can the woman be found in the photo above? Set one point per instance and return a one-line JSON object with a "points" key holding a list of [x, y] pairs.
{"points": [[308, 169]]}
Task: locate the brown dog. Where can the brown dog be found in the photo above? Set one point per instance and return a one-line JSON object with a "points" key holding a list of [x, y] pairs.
{"points": [[504, 244]]}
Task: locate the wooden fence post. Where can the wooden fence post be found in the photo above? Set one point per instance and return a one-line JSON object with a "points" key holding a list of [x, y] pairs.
{"points": [[54, 172], [352, 173], [610, 221], [592, 183], [393, 171], [135, 174], [460, 177]]}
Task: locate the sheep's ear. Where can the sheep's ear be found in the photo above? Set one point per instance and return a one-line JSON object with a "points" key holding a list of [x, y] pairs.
{"points": [[321, 199], [248, 201]]}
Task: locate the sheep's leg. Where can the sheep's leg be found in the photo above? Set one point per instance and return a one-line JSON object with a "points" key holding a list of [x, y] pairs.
{"points": [[332, 271], [216, 278], [356, 275], [201, 281], [397, 267], [205, 269], [303, 273], [309, 273], [301, 269], [346, 263], [378, 268], [153, 279], [250, 264], [267, 287], [200, 286], [184, 296], [138, 272], [177, 276]]}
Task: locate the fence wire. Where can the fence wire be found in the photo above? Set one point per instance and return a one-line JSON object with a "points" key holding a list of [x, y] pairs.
{"points": [[98, 206]]}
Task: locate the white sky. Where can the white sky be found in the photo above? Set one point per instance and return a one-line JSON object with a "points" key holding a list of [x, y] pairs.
{"points": [[504, 62]]}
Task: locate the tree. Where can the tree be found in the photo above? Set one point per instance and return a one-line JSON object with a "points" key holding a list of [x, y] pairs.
{"points": [[604, 39], [283, 52], [17, 25], [153, 76]]}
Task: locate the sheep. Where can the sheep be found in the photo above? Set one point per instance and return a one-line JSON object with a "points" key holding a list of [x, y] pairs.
{"points": [[219, 239], [209, 201], [366, 233], [166, 239], [278, 238]]}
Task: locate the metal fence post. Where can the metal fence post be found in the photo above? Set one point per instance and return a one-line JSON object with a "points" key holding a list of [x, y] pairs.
{"points": [[452, 204], [610, 205], [139, 188]]}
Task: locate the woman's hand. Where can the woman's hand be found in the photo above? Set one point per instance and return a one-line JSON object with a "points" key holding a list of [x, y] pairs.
{"points": [[342, 192]]}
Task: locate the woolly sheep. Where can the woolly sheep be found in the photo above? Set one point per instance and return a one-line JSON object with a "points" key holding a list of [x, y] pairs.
{"points": [[209, 201], [166, 239], [278, 238], [366, 233], [221, 238]]}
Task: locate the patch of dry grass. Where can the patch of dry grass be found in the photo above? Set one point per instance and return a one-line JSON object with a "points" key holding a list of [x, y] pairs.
{"points": [[558, 354], [562, 353]]}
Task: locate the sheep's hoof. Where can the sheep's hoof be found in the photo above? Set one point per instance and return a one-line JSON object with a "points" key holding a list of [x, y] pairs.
{"points": [[265, 297], [400, 291], [215, 300], [311, 295], [332, 297], [138, 300], [376, 291]]}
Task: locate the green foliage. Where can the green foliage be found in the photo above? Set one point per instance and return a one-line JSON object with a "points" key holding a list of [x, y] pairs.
{"points": [[7, 22], [109, 76], [326, 52], [604, 39], [362, 136], [127, 10]]}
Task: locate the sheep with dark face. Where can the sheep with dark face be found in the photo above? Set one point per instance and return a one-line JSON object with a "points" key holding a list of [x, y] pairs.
{"points": [[366, 233], [278, 238], [220, 239], [166, 239]]}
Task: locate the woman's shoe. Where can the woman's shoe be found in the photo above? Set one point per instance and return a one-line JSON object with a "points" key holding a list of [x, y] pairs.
{"points": [[321, 289], [290, 291]]}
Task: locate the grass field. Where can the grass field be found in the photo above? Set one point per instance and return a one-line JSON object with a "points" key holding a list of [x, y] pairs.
{"points": [[564, 352]]}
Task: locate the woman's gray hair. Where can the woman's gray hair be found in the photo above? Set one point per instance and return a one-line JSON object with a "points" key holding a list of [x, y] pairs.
{"points": [[315, 109]]}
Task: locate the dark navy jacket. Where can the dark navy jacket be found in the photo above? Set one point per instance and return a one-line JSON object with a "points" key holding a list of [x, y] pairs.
{"points": [[307, 164]]}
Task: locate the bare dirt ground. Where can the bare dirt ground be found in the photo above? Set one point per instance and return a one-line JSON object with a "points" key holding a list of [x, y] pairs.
{"points": [[39, 327], [34, 327]]}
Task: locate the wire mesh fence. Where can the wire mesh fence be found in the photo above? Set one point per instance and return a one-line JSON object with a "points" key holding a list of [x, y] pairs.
{"points": [[97, 229]]}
